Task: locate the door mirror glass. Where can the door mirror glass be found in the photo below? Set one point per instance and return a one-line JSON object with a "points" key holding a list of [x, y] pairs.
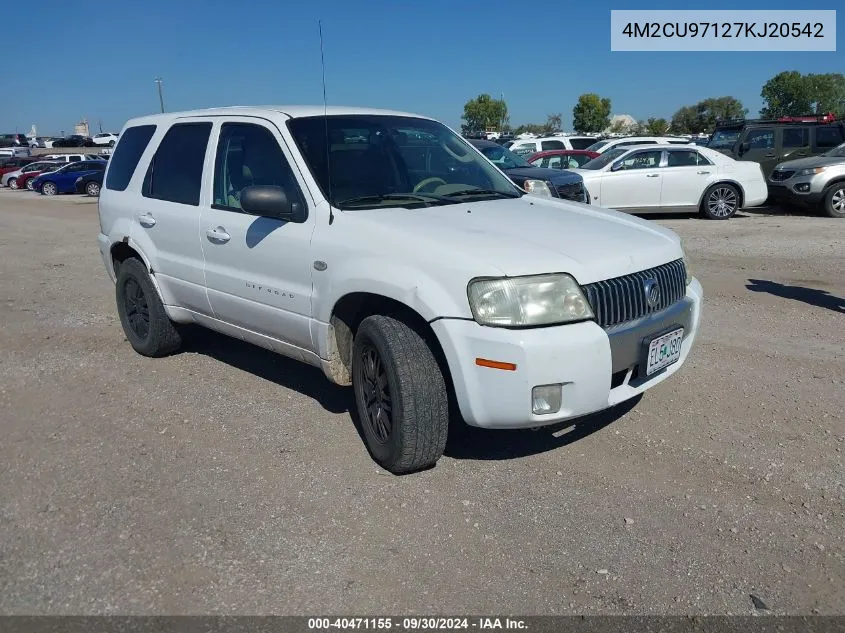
{"points": [[616, 166], [270, 201]]}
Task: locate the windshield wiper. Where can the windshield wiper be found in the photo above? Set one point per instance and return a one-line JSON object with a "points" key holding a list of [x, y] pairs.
{"points": [[481, 192], [381, 197]]}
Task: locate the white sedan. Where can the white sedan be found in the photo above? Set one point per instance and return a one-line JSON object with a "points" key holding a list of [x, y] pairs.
{"points": [[105, 139], [673, 178]]}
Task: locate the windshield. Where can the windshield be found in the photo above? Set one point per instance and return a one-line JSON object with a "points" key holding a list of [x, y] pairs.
{"points": [[503, 158], [596, 146], [723, 139], [605, 159], [394, 161], [837, 152]]}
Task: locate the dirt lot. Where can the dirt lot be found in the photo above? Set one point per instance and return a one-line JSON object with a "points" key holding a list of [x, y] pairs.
{"points": [[227, 480]]}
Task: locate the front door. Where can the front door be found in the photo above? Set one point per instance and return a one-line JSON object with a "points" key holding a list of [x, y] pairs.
{"points": [[636, 185], [166, 215], [760, 145], [258, 269]]}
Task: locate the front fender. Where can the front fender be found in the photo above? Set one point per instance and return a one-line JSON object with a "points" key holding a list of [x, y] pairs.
{"points": [[415, 288]]}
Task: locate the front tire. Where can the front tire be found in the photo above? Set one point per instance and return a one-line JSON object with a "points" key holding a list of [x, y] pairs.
{"points": [[721, 202], [92, 189], [13, 183], [30, 184], [49, 189], [147, 327], [400, 395], [834, 201]]}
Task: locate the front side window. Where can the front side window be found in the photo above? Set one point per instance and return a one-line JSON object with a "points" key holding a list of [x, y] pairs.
{"points": [[762, 138], [247, 155], [385, 160], [175, 172], [642, 160], [580, 143], [547, 145]]}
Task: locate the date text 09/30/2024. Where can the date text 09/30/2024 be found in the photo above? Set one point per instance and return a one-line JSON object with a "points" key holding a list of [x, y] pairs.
{"points": [[416, 623]]}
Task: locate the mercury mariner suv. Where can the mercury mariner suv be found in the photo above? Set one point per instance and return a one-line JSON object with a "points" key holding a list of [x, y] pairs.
{"points": [[384, 249]]}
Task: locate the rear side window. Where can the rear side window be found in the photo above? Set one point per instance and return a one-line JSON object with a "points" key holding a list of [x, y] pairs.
{"points": [[827, 137], [547, 145], [126, 155], [796, 137], [581, 143], [175, 172]]}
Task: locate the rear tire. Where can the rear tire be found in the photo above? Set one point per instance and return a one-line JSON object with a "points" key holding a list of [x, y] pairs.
{"points": [[400, 395], [147, 327], [30, 184], [833, 204], [720, 202], [13, 183]]}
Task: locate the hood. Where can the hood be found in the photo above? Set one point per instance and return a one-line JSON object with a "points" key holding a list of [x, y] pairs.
{"points": [[524, 236], [810, 161], [557, 176]]}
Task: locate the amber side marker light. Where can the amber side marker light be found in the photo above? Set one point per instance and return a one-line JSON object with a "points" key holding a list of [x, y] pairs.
{"points": [[495, 364]]}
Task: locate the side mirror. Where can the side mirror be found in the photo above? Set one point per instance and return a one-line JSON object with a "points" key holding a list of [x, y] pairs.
{"points": [[272, 202], [616, 166]]}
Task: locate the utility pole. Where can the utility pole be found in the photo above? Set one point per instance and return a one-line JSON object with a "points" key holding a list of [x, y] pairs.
{"points": [[160, 97], [100, 124]]}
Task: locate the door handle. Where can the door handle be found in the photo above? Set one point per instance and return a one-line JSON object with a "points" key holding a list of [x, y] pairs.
{"points": [[770, 155], [652, 175], [147, 220], [218, 235], [702, 172]]}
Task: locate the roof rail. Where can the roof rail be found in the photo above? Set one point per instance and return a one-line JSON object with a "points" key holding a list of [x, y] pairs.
{"points": [[830, 117]]}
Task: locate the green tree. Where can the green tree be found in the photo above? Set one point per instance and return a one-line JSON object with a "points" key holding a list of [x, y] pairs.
{"points": [[792, 94], [484, 112], [702, 116], [591, 113], [531, 128], [656, 127]]}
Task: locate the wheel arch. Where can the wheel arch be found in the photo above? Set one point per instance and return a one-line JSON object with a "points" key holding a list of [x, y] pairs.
{"points": [[122, 250], [725, 181], [838, 180], [346, 316]]}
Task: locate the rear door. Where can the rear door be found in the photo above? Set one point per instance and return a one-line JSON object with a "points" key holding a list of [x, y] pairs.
{"points": [[167, 211], [795, 143], [685, 177], [258, 269]]}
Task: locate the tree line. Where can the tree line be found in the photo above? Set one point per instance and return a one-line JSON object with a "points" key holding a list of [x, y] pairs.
{"points": [[788, 93]]}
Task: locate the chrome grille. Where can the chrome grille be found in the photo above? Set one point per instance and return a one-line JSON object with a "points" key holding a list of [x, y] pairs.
{"points": [[623, 299], [778, 175], [574, 191]]}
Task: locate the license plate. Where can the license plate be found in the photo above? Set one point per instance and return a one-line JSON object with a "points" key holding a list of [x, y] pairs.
{"points": [[663, 351]]}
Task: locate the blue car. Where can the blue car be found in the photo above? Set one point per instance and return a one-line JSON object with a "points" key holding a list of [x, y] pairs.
{"points": [[64, 180]]}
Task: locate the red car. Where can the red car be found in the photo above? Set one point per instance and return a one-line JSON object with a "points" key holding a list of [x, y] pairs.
{"points": [[562, 158], [31, 172], [15, 163]]}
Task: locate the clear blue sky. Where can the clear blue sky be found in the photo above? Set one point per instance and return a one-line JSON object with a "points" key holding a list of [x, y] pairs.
{"points": [[427, 56]]}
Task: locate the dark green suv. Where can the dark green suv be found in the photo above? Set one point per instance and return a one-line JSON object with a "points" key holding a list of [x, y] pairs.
{"points": [[773, 141]]}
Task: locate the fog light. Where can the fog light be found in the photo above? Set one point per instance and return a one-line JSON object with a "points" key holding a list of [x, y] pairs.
{"points": [[545, 399], [803, 187]]}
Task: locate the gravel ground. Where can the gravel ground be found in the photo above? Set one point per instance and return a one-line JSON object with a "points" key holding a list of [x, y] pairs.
{"points": [[225, 479]]}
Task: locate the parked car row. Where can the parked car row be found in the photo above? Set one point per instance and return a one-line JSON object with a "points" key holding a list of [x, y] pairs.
{"points": [[54, 175]]}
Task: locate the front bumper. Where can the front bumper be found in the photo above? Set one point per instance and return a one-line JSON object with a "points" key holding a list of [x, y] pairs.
{"points": [[597, 368], [807, 190]]}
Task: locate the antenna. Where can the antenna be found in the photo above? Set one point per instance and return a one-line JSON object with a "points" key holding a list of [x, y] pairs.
{"points": [[326, 121]]}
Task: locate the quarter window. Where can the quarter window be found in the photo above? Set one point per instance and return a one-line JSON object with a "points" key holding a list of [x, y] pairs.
{"points": [[175, 172], [248, 155], [796, 137], [126, 155]]}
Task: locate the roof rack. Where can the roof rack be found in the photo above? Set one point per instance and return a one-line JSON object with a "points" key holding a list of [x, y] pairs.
{"points": [[821, 119]]}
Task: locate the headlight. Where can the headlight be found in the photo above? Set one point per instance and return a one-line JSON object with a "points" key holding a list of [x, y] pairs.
{"points": [[811, 171], [689, 271], [537, 187], [527, 301]]}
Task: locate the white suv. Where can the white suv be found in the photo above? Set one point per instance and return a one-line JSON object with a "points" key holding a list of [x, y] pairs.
{"points": [[528, 146], [384, 249], [625, 141]]}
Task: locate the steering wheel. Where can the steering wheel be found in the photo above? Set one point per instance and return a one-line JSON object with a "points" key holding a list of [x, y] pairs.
{"points": [[428, 181]]}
